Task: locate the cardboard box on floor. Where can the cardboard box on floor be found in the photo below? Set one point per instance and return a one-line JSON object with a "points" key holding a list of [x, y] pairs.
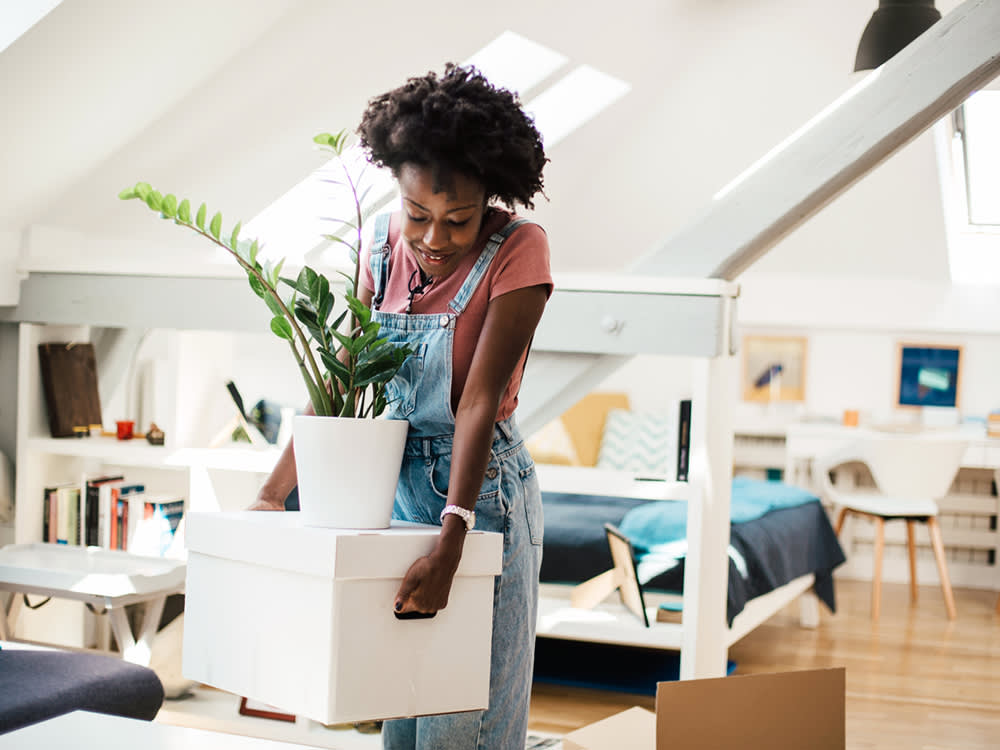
{"points": [[803, 709]]}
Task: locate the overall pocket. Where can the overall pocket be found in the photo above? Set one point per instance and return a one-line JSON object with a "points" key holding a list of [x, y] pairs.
{"points": [[401, 391]]}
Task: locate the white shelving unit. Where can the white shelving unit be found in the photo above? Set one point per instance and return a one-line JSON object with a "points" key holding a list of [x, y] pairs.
{"points": [[209, 479]]}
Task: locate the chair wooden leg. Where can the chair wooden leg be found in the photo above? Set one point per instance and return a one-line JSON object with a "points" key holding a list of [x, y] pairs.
{"points": [[877, 572], [911, 546], [942, 565], [998, 605], [840, 521]]}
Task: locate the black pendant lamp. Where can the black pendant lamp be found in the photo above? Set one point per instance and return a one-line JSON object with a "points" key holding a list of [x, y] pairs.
{"points": [[895, 24]]}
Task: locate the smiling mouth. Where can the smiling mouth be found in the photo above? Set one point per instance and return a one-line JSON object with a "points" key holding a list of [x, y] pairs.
{"points": [[434, 258]]}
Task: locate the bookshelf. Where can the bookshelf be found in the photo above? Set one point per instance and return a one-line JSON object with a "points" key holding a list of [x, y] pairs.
{"points": [[208, 478]]}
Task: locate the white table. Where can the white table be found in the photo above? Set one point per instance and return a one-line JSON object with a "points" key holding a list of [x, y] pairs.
{"points": [[83, 730], [106, 579]]}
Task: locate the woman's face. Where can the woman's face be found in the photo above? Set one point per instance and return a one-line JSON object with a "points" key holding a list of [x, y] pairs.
{"points": [[440, 228]]}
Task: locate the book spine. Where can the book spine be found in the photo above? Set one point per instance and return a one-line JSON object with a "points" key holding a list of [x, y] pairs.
{"points": [[91, 519], [683, 440]]}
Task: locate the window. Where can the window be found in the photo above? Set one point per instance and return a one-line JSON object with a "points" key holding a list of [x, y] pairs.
{"points": [[978, 127], [968, 149]]}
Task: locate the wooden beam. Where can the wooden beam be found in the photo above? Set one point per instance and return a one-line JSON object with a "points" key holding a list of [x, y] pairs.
{"points": [[894, 104]]}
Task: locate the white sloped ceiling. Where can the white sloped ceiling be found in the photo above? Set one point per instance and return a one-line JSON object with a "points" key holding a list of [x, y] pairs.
{"points": [[219, 101]]}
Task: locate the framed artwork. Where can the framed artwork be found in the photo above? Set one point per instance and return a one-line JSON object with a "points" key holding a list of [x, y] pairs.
{"points": [[927, 375], [774, 368]]}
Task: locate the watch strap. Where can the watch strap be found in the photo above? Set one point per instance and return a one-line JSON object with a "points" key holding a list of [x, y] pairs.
{"points": [[466, 515]]}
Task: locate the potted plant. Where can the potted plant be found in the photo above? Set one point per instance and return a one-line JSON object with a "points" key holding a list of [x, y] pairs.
{"points": [[346, 368]]}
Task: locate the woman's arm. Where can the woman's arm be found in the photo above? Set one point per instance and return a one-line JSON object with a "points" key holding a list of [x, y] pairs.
{"points": [[510, 323], [283, 477]]}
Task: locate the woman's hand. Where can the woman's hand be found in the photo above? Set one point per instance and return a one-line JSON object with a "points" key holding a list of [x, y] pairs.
{"points": [[267, 501], [427, 583]]}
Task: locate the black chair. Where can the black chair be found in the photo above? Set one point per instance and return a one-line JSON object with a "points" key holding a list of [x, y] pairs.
{"points": [[36, 685]]}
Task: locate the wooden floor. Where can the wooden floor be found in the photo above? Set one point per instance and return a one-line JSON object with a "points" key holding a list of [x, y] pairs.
{"points": [[915, 681]]}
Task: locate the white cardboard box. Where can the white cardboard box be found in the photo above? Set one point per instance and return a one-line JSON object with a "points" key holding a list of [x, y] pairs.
{"points": [[301, 618]]}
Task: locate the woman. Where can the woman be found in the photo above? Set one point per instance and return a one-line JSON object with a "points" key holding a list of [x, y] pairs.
{"points": [[464, 282]]}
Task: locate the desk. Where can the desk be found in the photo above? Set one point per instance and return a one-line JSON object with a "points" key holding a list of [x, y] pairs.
{"points": [[85, 730], [805, 441], [106, 579]]}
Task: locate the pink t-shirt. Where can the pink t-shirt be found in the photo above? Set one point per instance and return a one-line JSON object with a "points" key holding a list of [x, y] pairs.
{"points": [[522, 261]]}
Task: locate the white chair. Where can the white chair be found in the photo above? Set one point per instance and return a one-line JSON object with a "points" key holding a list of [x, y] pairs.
{"points": [[911, 473]]}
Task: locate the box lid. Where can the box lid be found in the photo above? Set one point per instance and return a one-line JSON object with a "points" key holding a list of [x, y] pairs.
{"points": [[632, 729], [282, 540]]}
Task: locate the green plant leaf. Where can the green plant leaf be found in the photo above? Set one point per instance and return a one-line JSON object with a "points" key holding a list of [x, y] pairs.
{"points": [[347, 342], [337, 368], [258, 288], [274, 307], [154, 199], [282, 328], [168, 206], [128, 194], [184, 211], [341, 240], [254, 249], [235, 236], [215, 228], [276, 272], [200, 218], [143, 189]]}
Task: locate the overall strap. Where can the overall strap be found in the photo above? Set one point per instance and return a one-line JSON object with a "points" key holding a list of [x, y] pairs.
{"points": [[378, 258], [482, 264]]}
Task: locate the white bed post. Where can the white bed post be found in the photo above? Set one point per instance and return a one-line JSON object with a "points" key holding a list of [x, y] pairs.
{"points": [[704, 642]]}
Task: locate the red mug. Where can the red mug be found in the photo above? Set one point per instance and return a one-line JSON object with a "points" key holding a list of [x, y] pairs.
{"points": [[126, 429]]}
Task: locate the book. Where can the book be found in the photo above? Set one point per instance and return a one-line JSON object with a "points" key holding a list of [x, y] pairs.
{"points": [[69, 381], [93, 513], [120, 498], [683, 439], [154, 521], [50, 511], [68, 515]]}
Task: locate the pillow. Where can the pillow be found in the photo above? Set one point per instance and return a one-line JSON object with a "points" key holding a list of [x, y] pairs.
{"points": [[636, 441], [552, 445]]}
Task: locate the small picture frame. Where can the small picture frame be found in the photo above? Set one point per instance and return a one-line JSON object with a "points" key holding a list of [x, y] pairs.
{"points": [[774, 368], [927, 375], [249, 707], [629, 587]]}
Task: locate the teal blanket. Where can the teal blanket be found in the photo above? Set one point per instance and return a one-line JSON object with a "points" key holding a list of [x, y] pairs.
{"points": [[661, 522]]}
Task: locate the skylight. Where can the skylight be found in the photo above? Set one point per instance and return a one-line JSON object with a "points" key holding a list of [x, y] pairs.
{"points": [[576, 98], [981, 138], [293, 226], [516, 63], [17, 17]]}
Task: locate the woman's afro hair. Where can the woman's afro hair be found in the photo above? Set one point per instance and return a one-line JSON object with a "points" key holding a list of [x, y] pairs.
{"points": [[457, 122]]}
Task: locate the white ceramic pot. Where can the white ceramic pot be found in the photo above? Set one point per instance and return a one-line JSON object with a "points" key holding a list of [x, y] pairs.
{"points": [[348, 469]]}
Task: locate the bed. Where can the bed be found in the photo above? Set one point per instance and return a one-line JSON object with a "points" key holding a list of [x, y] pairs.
{"points": [[778, 534], [782, 547]]}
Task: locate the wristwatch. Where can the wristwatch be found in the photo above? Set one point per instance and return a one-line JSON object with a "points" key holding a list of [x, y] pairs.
{"points": [[466, 515]]}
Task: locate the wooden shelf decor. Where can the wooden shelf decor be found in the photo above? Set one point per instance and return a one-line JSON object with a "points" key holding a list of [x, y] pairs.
{"points": [[69, 381]]}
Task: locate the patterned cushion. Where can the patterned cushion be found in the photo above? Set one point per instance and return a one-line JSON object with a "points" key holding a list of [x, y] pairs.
{"points": [[637, 441]]}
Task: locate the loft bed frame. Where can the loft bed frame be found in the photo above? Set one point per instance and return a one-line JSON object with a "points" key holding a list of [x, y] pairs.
{"points": [[593, 324]]}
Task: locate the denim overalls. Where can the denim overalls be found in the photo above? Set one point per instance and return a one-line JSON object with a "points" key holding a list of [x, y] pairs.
{"points": [[509, 502]]}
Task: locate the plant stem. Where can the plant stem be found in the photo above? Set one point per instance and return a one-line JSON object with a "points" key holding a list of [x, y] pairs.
{"points": [[315, 383]]}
